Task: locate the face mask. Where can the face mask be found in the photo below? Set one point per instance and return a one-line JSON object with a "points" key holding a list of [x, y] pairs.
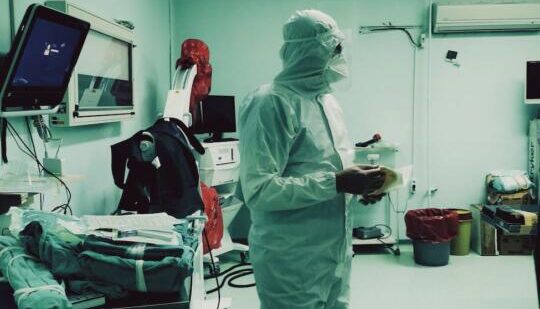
{"points": [[336, 69]]}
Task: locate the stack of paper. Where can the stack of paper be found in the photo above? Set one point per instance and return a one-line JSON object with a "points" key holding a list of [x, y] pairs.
{"points": [[394, 179]]}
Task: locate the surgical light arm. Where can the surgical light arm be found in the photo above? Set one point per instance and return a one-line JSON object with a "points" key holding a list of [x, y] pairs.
{"points": [[177, 105]]}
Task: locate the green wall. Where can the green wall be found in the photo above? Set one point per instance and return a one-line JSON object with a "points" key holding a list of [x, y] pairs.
{"points": [[5, 36]]}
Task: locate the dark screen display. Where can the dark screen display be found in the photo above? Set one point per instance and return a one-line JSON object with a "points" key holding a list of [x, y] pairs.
{"points": [[533, 80], [48, 55], [215, 114]]}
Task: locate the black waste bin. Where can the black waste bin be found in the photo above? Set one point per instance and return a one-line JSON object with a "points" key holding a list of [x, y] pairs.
{"points": [[431, 230]]}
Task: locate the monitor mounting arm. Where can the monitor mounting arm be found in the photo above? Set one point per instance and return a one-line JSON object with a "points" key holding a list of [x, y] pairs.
{"points": [[177, 105]]}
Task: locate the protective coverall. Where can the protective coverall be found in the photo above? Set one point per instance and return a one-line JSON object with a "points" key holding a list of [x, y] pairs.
{"points": [[293, 140]]}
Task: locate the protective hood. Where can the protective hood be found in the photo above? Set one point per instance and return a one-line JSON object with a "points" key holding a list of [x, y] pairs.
{"points": [[310, 41], [195, 51]]}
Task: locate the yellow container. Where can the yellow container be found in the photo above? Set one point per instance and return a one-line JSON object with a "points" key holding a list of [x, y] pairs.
{"points": [[461, 244]]}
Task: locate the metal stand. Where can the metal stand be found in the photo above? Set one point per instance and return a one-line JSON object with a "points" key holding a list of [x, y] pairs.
{"points": [[398, 212], [391, 243]]}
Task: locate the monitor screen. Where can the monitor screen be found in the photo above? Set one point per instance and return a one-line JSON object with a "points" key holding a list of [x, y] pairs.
{"points": [[41, 59], [215, 114], [532, 86], [47, 57]]}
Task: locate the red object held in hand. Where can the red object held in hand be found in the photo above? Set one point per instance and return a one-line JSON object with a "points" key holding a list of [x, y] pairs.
{"points": [[214, 226], [376, 137], [195, 51]]}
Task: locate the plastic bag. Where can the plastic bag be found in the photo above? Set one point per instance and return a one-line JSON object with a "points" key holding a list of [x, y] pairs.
{"points": [[432, 224], [214, 226], [64, 226], [509, 181]]}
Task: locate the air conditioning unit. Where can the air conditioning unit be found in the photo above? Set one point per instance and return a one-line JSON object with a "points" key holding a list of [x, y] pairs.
{"points": [[486, 17]]}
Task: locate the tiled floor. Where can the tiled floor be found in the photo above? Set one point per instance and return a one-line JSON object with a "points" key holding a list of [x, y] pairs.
{"points": [[385, 281]]}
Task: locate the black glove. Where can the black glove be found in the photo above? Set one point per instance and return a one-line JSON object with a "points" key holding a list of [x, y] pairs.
{"points": [[359, 179], [368, 199]]}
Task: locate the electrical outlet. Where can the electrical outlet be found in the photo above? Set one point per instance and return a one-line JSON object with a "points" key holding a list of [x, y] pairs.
{"points": [[412, 188], [422, 42]]}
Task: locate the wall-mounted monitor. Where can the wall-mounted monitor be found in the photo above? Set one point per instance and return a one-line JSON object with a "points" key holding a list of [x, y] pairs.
{"points": [[532, 83], [101, 88], [38, 67]]}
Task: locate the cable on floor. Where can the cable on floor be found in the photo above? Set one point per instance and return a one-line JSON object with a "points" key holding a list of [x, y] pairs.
{"points": [[230, 276]]}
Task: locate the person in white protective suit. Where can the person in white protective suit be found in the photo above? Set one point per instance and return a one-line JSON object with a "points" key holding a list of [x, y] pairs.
{"points": [[296, 168]]}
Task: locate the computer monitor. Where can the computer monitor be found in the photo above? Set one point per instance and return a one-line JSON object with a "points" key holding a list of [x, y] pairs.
{"points": [[37, 69], [532, 83], [215, 115]]}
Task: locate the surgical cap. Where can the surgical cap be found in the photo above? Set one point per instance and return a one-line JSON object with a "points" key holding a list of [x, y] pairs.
{"points": [[310, 40], [313, 25]]}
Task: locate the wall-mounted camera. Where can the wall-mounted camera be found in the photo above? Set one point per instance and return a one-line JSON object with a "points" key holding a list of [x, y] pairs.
{"points": [[451, 57]]}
